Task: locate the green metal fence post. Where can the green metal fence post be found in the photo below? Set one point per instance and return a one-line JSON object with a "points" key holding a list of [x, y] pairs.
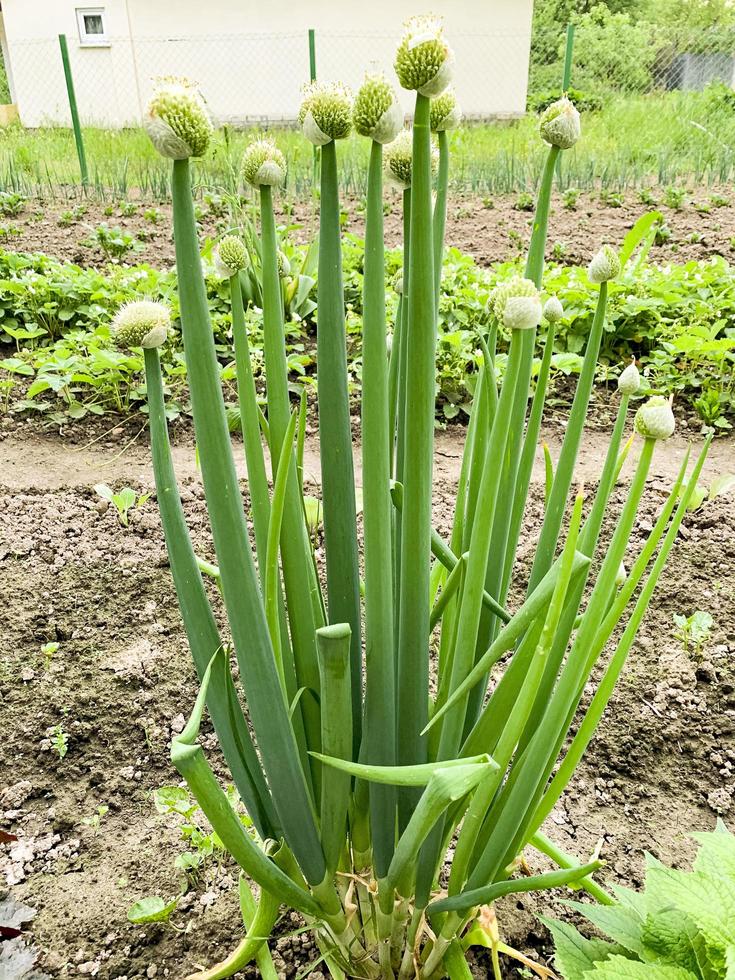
{"points": [[312, 54], [566, 80], [73, 108], [312, 77]]}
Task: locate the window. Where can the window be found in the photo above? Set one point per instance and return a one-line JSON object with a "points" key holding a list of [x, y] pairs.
{"points": [[91, 23]]}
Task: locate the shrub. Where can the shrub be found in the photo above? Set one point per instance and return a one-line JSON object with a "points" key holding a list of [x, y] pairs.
{"points": [[612, 52], [584, 101]]}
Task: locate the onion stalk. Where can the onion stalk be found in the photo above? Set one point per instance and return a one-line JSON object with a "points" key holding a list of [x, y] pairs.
{"points": [[357, 787]]}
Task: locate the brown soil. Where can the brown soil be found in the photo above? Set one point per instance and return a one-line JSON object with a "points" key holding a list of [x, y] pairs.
{"points": [[492, 230], [661, 765]]}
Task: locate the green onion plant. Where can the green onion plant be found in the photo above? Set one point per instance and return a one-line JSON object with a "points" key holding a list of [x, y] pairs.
{"points": [[400, 726]]}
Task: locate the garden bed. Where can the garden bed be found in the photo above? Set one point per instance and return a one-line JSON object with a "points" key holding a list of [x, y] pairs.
{"points": [[492, 229], [121, 681]]}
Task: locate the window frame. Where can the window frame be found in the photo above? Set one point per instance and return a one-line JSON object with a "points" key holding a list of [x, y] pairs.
{"points": [[92, 40]]}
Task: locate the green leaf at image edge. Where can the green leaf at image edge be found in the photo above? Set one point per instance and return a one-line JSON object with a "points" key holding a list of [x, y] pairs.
{"points": [[152, 909]]}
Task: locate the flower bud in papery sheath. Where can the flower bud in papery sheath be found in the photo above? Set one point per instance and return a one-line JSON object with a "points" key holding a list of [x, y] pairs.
{"points": [[284, 266], [560, 124], [515, 287], [621, 576], [326, 112], [522, 312], [424, 61], [377, 113], [630, 379], [655, 419], [604, 266], [445, 113], [398, 282], [263, 164], [517, 304], [553, 310], [398, 159], [141, 324], [230, 257], [177, 119]]}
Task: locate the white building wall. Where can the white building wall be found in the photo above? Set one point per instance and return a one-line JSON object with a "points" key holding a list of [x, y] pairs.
{"points": [[250, 57]]}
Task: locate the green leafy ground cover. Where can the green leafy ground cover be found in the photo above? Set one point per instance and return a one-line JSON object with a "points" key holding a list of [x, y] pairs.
{"points": [[59, 362], [681, 927]]}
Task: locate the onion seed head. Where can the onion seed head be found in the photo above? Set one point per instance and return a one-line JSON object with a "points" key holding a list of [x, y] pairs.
{"points": [[230, 257], [522, 312], [142, 323], [560, 124], [424, 61], [326, 112], [553, 310], [445, 112], [263, 164], [377, 113], [655, 419], [605, 265], [629, 380], [398, 158], [514, 288], [177, 119]]}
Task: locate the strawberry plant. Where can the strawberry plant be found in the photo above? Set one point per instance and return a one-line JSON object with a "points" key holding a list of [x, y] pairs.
{"points": [[680, 927]]}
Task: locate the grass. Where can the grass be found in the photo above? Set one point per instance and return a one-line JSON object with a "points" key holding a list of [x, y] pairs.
{"points": [[636, 141]]}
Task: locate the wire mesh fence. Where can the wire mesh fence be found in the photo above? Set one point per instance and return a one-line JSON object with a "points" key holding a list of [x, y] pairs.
{"points": [[246, 78], [251, 78], [658, 102], [618, 57]]}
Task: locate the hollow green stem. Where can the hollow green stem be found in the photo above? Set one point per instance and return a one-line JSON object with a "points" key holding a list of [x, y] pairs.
{"points": [[415, 544], [471, 607], [449, 590], [400, 407], [338, 479], [229, 530], [199, 622], [398, 425], [606, 686], [511, 633], [516, 721], [248, 402], [191, 763], [588, 540], [271, 590], [297, 564], [260, 919], [393, 372], [379, 736], [511, 507], [333, 644], [446, 786], [570, 447], [442, 552], [491, 893], [528, 454], [537, 247], [509, 816], [440, 213], [564, 860]]}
